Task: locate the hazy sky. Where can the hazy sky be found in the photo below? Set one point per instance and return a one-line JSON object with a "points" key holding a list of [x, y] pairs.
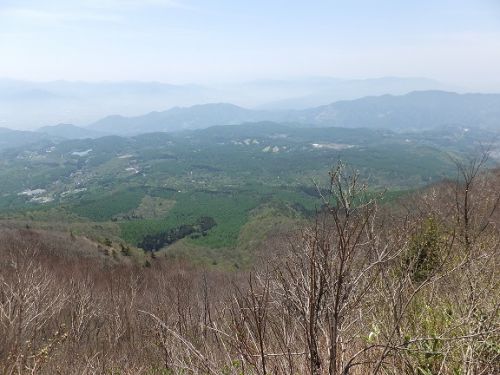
{"points": [[180, 41]]}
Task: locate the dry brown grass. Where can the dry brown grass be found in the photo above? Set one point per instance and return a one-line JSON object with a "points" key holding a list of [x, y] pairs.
{"points": [[340, 297]]}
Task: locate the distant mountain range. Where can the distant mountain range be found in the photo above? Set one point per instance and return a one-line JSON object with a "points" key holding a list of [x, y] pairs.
{"points": [[421, 110], [29, 105], [416, 111], [175, 119], [337, 90]]}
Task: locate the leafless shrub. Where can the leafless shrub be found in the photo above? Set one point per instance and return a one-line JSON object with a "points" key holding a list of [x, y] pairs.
{"points": [[366, 288]]}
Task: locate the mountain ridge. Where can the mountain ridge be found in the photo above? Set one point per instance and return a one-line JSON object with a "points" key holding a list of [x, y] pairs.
{"points": [[418, 110], [80, 102]]}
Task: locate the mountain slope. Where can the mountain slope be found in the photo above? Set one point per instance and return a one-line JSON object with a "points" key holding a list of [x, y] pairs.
{"points": [[414, 111], [195, 117], [17, 138], [328, 91]]}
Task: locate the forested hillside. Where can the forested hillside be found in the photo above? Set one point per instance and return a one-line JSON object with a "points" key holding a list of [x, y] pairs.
{"points": [[365, 286], [151, 191]]}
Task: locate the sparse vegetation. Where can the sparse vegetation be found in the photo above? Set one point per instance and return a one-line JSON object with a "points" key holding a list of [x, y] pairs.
{"points": [[406, 288]]}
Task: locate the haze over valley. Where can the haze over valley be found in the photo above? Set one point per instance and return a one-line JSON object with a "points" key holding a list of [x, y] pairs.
{"points": [[83, 103]]}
